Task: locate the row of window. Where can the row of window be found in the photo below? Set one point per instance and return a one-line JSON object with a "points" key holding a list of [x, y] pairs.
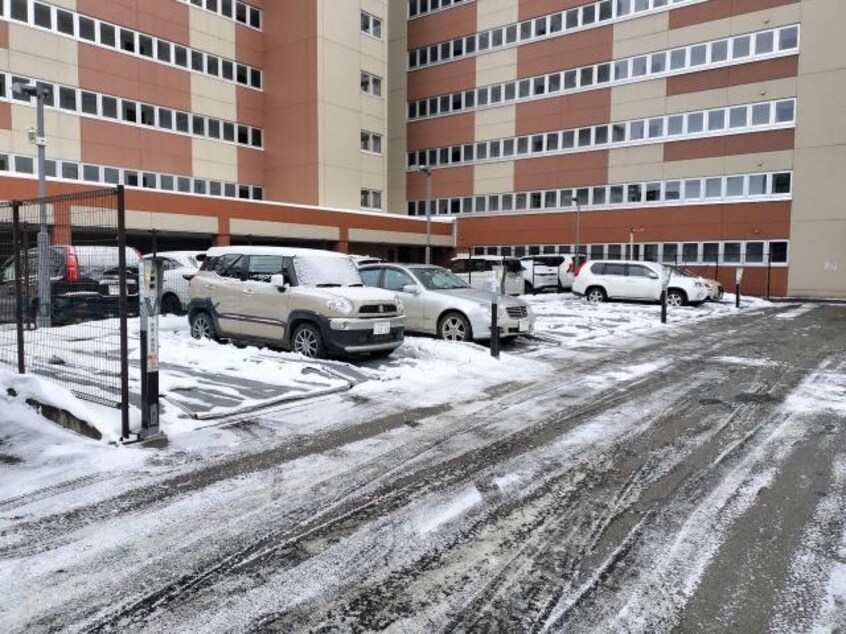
{"points": [[694, 58], [232, 9], [712, 189], [371, 84], [756, 252], [130, 112], [586, 17], [371, 142], [371, 199], [107, 35], [371, 25], [663, 128], [88, 173], [416, 8]]}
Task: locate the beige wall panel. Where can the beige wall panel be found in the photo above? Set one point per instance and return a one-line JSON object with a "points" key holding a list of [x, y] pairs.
{"points": [[67, 4], [823, 46], [339, 81], [238, 226], [396, 141], [635, 163], [496, 67], [398, 237], [63, 133], [492, 13], [374, 51], [170, 222], [495, 123], [644, 35], [817, 259], [339, 22], [43, 55], [745, 93], [341, 186], [756, 21], [213, 34], [819, 178], [638, 100], [493, 178], [214, 98], [739, 164], [822, 109], [217, 161], [374, 167]]}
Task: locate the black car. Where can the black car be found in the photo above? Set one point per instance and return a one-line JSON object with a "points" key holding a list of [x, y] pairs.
{"points": [[84, 283]]}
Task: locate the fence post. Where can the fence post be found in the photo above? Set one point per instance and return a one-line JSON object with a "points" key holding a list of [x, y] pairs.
{"points": [[122, 311], [19, 300]]}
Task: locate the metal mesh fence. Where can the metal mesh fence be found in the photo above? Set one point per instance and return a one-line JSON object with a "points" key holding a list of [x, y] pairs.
{"points": [[67, 284]]}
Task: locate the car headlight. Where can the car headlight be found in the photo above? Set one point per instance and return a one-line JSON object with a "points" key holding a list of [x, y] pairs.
{"points": [[701, 285], [400, 306], [340, 305]]}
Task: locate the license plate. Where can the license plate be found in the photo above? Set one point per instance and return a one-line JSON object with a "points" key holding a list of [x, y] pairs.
{"points": [[523, 325], [114, 289], [382, 328]]}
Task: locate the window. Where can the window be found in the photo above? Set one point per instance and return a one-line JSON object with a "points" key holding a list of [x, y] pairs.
{"points": [[91, 173], [371, 25], [229, 266], [129, 111], [110, 108], [67, 98], [262, 267], [782, 183], [395, 280], [70, 171], [371, 84], [778, 252], [107, 34], [42, 16], [163, 51], [19, 10], [89, 103], [785, 111], [165, 118], [731, 252], [754, 252], [24, 164], [371, 199], [127, 41], [86, 29], [371, 142], [711, 252]]}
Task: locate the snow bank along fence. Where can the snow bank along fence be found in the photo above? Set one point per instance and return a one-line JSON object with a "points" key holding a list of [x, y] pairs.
{"points": [[67, 284]]}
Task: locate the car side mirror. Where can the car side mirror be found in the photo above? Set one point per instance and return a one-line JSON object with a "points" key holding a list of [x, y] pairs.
{"points": [[279, 281], [188, 276], [411, 289], [654, 276]]}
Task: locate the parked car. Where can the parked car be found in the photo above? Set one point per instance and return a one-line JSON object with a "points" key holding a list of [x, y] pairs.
{"points": [[365, 259], [84, 283], [176, 266], [309, 301], [600, 280], [715, 289], [538, 275], [439, 303], [479, 270]]}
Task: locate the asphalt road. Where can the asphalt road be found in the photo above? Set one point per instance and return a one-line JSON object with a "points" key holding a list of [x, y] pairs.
{"points": [[694, 484]]}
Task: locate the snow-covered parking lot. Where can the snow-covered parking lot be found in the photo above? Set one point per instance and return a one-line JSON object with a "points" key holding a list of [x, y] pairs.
{"points": [[610, 474]]}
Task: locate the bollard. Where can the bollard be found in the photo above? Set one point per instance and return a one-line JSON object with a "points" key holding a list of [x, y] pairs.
{"points": [[663, 306], [737, 295], [494, 320]]}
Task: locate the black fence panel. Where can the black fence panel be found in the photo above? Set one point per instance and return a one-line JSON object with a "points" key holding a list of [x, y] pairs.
{"points": [[75, 334]]}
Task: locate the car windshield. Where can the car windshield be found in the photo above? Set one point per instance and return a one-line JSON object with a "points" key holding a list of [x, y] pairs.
{"points": [[326, 271], [438, 279]]}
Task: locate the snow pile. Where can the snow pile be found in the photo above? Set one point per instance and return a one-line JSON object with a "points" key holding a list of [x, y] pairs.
{"points": [[823, 391], [17, 389]]}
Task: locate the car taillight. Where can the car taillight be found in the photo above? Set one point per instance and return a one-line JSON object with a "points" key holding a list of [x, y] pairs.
{"points": [[71, 265]]}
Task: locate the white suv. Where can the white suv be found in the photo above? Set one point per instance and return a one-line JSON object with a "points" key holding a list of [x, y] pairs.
{"points": [[479, 270], [538, 274], [309, 301], [600, 280], [176, 265]]}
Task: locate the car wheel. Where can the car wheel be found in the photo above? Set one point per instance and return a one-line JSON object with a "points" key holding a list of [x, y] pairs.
{"points": [[171, 305], [308, 342], [595, 295], [454, 327], [202, 326], [676, 298]]}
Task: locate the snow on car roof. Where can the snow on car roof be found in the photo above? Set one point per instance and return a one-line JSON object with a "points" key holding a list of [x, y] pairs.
{"points": [[284, 251]]}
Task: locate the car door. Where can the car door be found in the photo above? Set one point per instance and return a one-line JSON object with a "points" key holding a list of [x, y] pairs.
{"points": [[224, 289], [266, 307], [394, 279], [614, 279], [642, 282]]}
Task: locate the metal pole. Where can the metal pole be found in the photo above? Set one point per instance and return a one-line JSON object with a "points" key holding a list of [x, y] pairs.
{"points": [[664, 306], [737, 295], [19, 299], [494, 320], [44, 309], [122, 311], [631, 244], [769, 270], [578, 229], [429, 216]]}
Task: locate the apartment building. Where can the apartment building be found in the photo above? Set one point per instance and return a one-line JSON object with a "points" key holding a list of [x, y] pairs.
{"points": [[708, 133]]}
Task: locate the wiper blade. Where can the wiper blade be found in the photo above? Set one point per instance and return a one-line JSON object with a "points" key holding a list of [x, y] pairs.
{"points": [[355, 285], [328, 285]]}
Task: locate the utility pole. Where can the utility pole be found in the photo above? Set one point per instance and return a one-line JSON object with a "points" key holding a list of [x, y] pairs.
{"points": [[425, 169], [43, 316]]}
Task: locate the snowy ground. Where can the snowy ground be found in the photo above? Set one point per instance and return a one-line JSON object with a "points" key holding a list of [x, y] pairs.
{"points": [[616, 475]]}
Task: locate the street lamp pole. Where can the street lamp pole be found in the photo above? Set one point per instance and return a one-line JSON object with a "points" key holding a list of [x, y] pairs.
{"points": [[578, 230], [425, 169], [43, 316]]}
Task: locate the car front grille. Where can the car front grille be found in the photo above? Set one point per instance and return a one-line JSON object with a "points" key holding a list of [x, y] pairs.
{"points": [[517, 312], [378, 309]]}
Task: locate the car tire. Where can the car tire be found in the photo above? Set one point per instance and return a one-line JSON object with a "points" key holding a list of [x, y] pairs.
{"points": [[454, 327], [676, 298], [308, 341], [202, 326], [171, 305], [596, 295]]}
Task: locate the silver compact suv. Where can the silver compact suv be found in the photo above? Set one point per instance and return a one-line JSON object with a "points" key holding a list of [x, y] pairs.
{"points": [[305, 300], [439, 303]]}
